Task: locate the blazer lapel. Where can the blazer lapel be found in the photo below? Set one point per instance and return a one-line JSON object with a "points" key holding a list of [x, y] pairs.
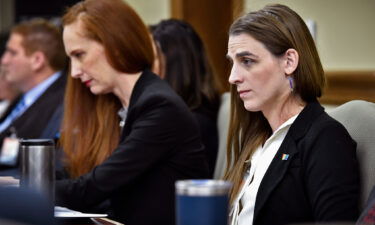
{"points": [[275, 173], [279, 165], [147, 78]]}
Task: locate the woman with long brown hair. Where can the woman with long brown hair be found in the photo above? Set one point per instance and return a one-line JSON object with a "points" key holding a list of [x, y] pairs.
{"points": [[190, 76], [288, 160], [118, 139]]}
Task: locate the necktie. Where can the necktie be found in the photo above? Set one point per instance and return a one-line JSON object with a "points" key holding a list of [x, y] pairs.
{"points": [[14, 114]]}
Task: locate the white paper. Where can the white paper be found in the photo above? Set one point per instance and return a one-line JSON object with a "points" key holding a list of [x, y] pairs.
{"points": [[68, 213]]}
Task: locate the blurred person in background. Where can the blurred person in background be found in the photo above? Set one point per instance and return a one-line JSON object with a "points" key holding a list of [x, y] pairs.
{"points": [[127, 136], [181, 60], [7, 93], [33, 61], [289, 161]]}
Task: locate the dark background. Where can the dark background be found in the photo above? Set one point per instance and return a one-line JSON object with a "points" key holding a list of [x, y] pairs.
{"points": [[25, 9]]}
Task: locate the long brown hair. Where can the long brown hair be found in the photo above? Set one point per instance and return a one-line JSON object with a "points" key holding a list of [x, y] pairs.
{"points": [[279, 28], [191, 75], [91, 126]]}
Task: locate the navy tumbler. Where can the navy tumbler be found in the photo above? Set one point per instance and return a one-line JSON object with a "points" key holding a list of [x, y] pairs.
{"points": [[202, 202]]}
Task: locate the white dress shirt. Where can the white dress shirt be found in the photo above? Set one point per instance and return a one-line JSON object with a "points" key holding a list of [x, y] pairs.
{"points": [[242, 212], [3, 106]]}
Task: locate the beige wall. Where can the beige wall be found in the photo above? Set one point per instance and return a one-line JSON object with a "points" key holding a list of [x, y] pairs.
{"points": [[6, 14], [345, 30], [151, 11]]}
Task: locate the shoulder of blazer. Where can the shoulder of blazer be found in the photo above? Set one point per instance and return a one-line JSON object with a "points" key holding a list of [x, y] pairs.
{"points": [[305, 120], [52, 96], [58, 85], [143, 85], [278, 167]]}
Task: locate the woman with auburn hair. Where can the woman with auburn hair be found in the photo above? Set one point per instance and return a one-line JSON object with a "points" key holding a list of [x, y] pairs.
{"points": [[288, 160], [132, 166], [190, 76]]}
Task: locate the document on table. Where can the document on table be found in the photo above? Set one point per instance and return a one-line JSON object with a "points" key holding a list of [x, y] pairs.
{"points": [[8, 181], [63, 212]]}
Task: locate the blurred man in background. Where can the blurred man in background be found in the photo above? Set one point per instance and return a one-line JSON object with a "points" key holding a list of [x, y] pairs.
{"points": [[32, 62], [7, 93]]}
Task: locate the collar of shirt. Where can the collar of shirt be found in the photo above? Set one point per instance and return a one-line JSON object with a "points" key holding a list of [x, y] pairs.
{"points": [[122, 113], [32, 95], [275, 134], [263, 153], [279, 130]]}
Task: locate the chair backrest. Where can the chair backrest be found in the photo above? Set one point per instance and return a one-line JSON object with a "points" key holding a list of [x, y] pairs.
{"points": [[368, 213], [222, 126], [358, 117]]}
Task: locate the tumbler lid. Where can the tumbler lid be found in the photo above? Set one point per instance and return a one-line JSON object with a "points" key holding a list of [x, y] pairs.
{"points": [[203, 187], [35, 142]]}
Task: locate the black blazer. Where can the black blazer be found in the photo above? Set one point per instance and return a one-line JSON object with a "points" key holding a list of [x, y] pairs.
{"points": [[160, 144], [32, 123], [206, 115], [318, 182]]}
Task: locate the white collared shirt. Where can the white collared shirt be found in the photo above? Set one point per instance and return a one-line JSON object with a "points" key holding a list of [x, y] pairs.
{"points": [[122, 113], [32, 95], [260, 161], [4, 106]]}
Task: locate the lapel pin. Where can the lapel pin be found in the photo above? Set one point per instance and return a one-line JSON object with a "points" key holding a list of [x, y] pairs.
{"points": [[285, 157]]}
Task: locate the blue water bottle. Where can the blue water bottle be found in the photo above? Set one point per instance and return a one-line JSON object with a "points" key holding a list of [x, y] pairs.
{"points": [[202, 202]]}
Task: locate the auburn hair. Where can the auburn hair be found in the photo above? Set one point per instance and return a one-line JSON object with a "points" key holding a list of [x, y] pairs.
{"points": [[91, 125]]}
